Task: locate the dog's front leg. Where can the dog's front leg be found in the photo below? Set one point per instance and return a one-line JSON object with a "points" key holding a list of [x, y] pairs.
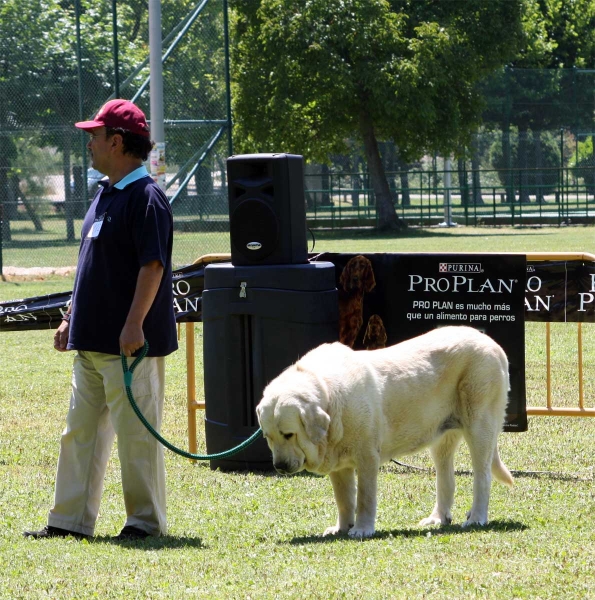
{"points": [[344, 489], [367, 485]]}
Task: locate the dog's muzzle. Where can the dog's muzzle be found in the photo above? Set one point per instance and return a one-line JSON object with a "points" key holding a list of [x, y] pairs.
{"points": [[284, 468]]}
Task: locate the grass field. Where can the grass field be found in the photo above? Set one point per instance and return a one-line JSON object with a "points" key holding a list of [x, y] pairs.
{"points": [[248, 535], [48, 248]]}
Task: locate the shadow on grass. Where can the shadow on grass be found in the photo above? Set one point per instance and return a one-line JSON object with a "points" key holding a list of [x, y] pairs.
{"points": [[423, 532], [165, 542], [552, 475]]}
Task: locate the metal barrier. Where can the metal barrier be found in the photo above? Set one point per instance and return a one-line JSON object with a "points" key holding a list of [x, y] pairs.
{"points": [[548, 410]]}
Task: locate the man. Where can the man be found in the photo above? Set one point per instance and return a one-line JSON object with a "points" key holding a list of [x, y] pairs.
{"points": [[122, 295]]}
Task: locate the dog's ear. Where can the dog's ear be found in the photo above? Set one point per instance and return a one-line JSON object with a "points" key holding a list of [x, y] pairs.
{"points": [[369, 282], [345, 275], [258, 411], [316, 422]]}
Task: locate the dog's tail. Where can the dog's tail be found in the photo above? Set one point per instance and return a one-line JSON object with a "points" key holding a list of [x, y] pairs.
{"points": [[500, 470]]}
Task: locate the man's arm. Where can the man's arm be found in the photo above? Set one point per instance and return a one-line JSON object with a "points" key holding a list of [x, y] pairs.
{"points": [[132, 337], [61, 336]]}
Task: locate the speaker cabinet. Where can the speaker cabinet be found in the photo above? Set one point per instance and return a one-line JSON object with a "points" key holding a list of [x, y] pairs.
{"points": [[267, 209]]}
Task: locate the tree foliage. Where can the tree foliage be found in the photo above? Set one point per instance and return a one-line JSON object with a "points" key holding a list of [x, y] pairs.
{"points": [[310, 75]]}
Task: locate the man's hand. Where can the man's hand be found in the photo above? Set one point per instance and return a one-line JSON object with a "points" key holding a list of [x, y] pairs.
{"points": [[147, 284], [131, 339], [61, 337]]}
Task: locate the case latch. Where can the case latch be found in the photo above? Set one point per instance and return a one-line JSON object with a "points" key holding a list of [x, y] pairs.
{"points": [[243, 285]]}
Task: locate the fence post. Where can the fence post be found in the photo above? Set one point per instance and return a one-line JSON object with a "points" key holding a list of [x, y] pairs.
{"points": [[448, 222]]}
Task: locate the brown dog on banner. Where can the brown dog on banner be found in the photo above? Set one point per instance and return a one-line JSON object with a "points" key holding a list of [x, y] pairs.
{"points": [[356, 279], [375, 336]]}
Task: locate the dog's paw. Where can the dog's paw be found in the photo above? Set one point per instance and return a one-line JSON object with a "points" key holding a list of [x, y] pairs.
{"points": [[361, 532], [475, 520], [436, 519], [334, 530]]}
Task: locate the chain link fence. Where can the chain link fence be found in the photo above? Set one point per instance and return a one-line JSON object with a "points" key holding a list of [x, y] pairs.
{"points": [[46, 182], [531, 162]]}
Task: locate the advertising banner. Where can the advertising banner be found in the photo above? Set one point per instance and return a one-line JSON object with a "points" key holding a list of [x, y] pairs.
{"points": [[560, 291], [45, 312], [411, 294], [408, 294]]}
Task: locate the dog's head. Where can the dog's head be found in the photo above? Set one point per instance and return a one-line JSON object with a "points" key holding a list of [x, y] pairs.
{"points": [[375, 336], [293, 422], [358, 275]]}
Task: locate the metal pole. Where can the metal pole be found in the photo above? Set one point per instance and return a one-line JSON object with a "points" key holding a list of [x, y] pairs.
{"points": [[156, 94], [115, 44], [227, 78], [77, 9], [448, 222]]}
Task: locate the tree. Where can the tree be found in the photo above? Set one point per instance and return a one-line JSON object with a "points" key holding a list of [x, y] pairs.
{"points": [[39, 73], [541, 91], [311, 75]]}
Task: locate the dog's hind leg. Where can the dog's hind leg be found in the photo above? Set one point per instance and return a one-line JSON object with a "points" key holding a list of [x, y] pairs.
{"points": [[344, 489], [443, 452], [482, 440]]}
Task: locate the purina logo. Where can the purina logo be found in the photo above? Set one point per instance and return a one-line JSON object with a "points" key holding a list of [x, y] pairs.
{"points": [[460, 268]]}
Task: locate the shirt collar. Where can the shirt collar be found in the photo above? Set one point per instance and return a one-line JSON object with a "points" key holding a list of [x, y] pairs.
{"points": [[132, 177]]}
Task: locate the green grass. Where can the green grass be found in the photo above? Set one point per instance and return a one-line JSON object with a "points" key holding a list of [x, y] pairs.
{"points": [[48, 248], [247, 535]]}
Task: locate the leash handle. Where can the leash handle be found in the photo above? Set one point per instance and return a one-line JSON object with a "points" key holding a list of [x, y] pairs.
{"points": [[128, 371]]}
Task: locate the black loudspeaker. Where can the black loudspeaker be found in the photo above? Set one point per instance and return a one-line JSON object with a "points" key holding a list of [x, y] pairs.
{"points": [[267, 209]]}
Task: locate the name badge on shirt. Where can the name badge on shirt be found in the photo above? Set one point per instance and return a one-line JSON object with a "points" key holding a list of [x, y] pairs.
{"points": [[96, 227]]}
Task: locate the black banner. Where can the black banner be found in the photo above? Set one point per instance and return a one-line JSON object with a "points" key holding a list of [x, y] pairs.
{"points": [[555, 291], [45, 312], [560, 291], [411, 294]]}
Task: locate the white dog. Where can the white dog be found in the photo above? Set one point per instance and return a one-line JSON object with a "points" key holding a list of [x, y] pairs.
{"points": [[338, 411]]}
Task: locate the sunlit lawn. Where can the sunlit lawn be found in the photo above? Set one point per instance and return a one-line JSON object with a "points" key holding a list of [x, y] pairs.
{"points": [[251, 535]]}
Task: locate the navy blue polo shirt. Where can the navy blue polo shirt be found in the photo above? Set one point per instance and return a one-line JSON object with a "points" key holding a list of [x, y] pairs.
{"points": [[127, 226]]}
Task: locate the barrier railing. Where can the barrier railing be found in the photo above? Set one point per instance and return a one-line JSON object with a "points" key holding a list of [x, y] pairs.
{"points": [[562, 194], [548, 410]]}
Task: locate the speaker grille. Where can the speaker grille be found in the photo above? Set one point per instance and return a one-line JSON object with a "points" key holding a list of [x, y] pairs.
{"points": [[254, 229]]}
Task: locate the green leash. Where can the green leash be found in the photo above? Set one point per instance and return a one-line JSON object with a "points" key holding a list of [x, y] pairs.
{"points": [[128, 371]]}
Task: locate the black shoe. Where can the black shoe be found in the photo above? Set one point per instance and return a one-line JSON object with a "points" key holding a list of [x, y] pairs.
{"points": [[50, 532], [132, 533]]}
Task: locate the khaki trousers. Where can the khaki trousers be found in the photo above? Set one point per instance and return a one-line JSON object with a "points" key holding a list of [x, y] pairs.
{"points": [[99, 410]]}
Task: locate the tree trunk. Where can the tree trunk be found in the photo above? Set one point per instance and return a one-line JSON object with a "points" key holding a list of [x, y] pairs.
{"points": [[508, 179], [68, 206], [4, 201], [592, 191], [404, 181], [356, 181], [5, 213], [539, 193], [463, 183], [475, 181], [387, 217], [326, 185], [14, 195], [523, 164]]}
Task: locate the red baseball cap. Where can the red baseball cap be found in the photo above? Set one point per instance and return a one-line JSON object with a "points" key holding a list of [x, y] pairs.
{"points": [[119, 113]]}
